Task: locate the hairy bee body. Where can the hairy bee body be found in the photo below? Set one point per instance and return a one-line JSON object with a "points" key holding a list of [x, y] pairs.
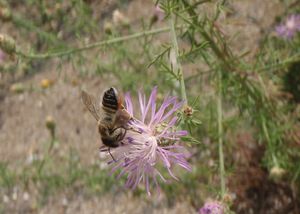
{"points": [[112, 117]]}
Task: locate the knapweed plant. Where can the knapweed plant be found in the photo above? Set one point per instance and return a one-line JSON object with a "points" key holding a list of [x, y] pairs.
{"points": [[212, 92]]}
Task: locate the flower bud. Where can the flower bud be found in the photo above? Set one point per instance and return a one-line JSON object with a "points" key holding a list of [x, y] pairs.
{"points": [[188, 110], [277, 173], [228, 198], [46, 83], [153, 20], [158, 15], [50, 123], [7, 44], [17, 88], [119, 18], [108, 27], [74, 82], [5, 14]]}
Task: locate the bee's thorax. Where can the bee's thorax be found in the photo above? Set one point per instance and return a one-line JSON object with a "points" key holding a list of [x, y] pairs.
{"points": [[108, 118]]}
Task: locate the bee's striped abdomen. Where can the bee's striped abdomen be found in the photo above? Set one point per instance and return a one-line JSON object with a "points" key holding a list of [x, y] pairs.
{"points": [[110, 99]]}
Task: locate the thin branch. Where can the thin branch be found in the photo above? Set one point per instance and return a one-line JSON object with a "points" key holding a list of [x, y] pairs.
{"points": [[178, 64], [91, 46]]}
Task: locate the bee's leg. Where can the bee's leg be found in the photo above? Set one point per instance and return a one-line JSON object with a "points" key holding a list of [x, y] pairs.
{"points": [[103, 148], [111, 155], [124, 134], [107, 149], [111, 131], [132, 129]]}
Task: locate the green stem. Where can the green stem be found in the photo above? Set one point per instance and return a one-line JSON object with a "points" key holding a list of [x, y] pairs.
{"points": [[53, 139], [93, 45], [276, 66], [208, 38], [177, 63], [266, 133], [220, 133], [41, 166], [286, 62]]}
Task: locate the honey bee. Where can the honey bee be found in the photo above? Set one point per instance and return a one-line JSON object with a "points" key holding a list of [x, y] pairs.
{"points": [[112, 117]]}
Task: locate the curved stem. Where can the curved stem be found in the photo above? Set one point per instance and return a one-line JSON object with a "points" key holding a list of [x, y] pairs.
{"points": [[93, 45]]}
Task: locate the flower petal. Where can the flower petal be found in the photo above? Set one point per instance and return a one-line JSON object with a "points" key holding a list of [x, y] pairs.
{"points": [[129, 106]]}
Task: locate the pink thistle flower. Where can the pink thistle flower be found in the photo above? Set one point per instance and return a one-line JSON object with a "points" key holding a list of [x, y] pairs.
{"points": [[290, 27], [154, 144], [212, 207]]}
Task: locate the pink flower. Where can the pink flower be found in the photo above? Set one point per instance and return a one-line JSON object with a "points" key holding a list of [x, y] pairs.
{"points": [[159, 13], [212, 207], [141, 153], [290, 27]]}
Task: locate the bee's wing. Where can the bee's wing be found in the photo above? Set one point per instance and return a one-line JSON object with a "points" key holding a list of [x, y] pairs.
{"points": [[90, 103], [122, 117]]}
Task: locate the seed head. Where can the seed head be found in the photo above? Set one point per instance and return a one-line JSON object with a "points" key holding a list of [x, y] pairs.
{"points": [[188, 111], [50, 124], [7, 44], [5, 14], [17, 88], [277, 172]]}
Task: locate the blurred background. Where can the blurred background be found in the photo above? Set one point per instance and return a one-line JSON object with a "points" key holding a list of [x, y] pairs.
{"points": [[241, 80]]}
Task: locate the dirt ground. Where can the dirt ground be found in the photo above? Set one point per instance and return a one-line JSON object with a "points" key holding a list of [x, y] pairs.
{"points": [[22, 118]]}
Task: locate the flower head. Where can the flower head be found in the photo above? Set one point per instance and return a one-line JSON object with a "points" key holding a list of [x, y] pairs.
{"points": [[7, 44], [290, 27], [212, 207], [153, 144], [158, 15]]}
